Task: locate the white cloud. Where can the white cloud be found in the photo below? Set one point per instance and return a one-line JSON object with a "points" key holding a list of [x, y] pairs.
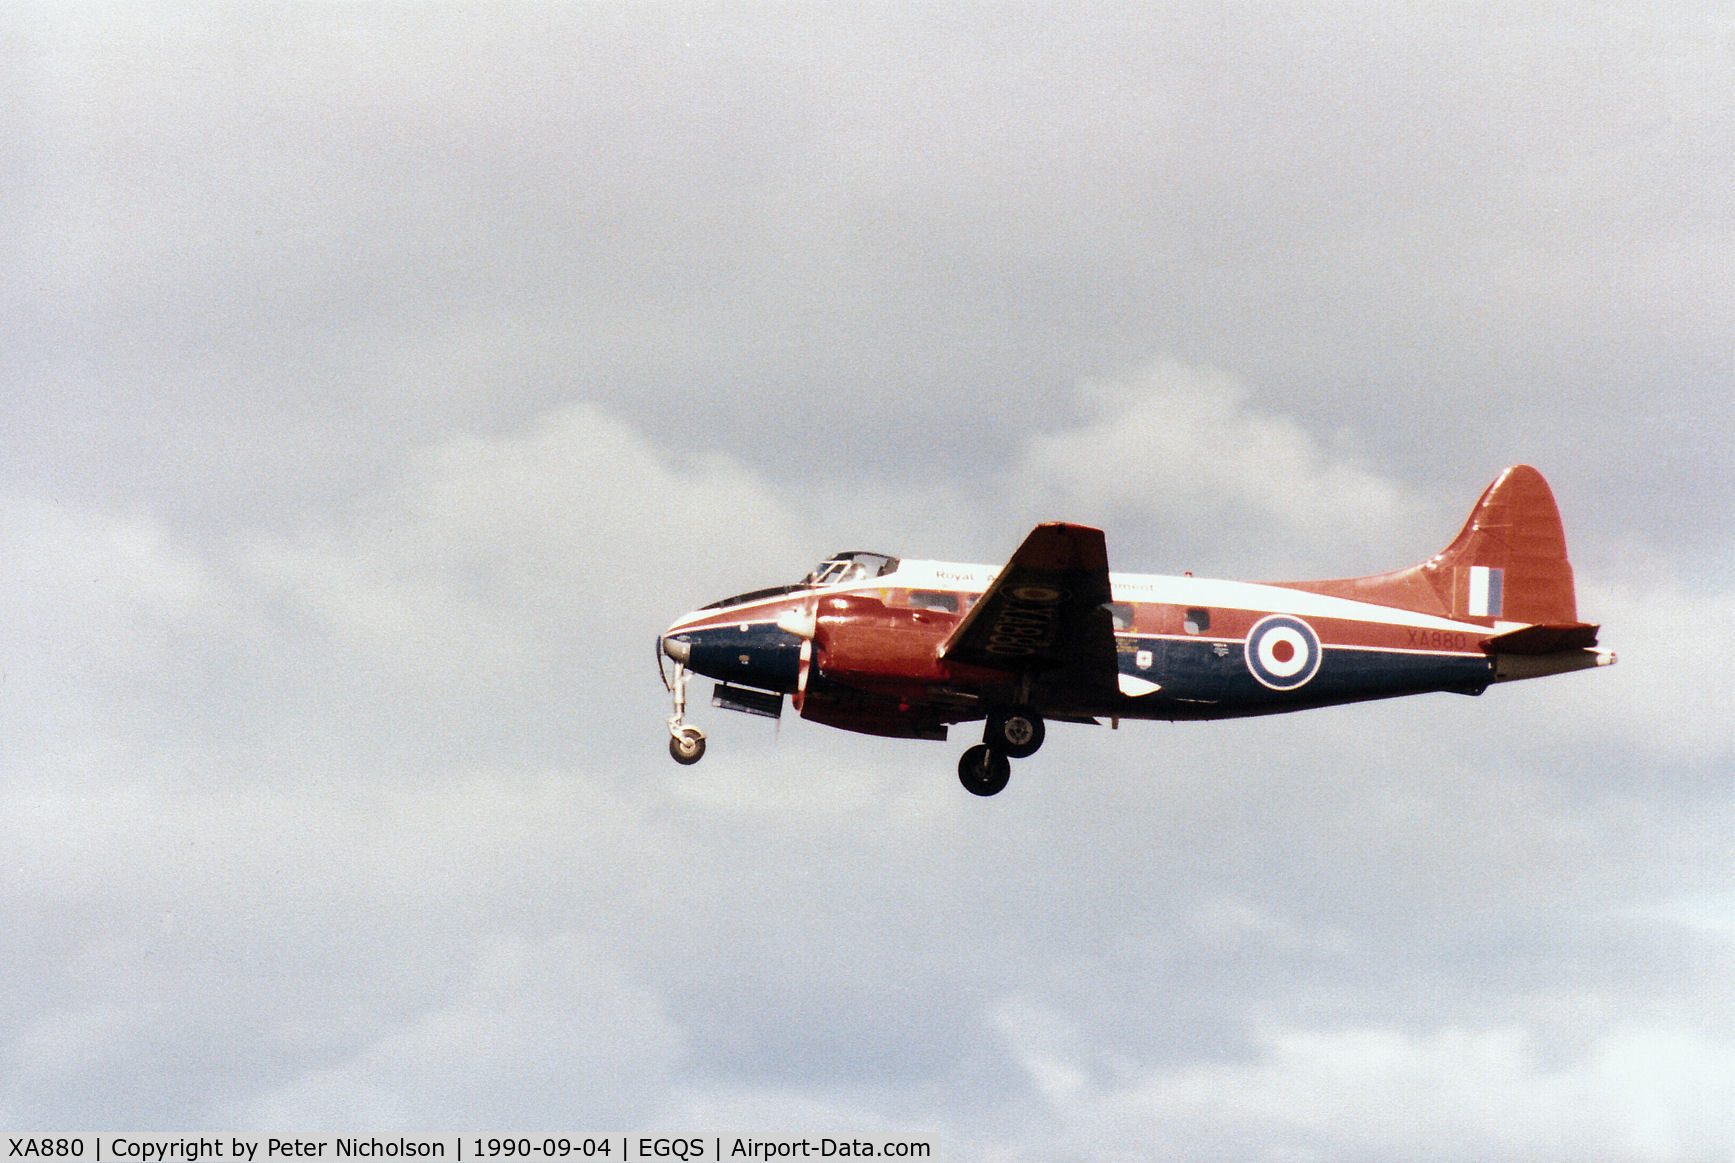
{"points": [[75, 579], [540, 1025], [60, 1044], [335, 952], [517, 580], [802, 873], [579, 526], [1638, 1093], [1671, 691], [101, 616], [1662, 709]]}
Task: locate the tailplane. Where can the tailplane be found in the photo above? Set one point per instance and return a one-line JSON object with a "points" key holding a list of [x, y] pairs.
{"points": [[1508, 564]]}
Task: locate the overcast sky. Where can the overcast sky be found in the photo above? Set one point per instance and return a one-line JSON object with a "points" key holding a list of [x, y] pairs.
{"points": [[377, 381]]}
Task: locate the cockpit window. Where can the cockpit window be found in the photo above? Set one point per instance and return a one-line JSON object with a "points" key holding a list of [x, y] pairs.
{"points": [[843, 568], [836, 570], [825, 573]]}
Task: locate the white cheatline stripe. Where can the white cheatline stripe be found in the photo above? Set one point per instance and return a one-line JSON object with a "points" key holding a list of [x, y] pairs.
{"points": [[1154, 589]]}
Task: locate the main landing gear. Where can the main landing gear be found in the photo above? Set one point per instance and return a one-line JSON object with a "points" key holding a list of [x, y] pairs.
{"points": [[1018, 732], [984, 771], [1010, 734]]}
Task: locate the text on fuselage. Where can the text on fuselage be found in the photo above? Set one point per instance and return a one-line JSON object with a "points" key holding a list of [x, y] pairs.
{"points": [[1438, 640]]}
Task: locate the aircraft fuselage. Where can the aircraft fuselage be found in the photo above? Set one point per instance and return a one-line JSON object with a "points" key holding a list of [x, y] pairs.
{"points": [[1185, 647], [872, 644]]}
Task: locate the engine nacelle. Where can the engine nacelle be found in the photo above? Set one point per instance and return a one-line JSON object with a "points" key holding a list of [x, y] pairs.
{"points": [[861, 640], [850, 715]]}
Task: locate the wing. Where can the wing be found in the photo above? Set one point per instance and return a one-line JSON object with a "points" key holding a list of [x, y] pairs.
{"points": [[1047, 611]]}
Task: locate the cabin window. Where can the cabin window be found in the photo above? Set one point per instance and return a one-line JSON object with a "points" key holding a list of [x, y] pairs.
{"points": [[1122, 613], [1197, 622], [933, 600]]}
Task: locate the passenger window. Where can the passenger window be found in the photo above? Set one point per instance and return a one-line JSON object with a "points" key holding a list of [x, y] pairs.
{"points": [[1122, 613], [933, 600], [1198, 621]]}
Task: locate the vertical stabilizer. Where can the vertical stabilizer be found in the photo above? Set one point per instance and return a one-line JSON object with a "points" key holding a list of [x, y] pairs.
{"points": [[1508, 563]]}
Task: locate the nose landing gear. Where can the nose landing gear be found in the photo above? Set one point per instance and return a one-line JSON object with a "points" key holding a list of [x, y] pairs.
{"points": [[686, 744]]}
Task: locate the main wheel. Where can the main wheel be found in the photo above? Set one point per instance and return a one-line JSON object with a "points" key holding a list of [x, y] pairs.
{"points": [[984, 771], [688, 746], [1017, 732]]}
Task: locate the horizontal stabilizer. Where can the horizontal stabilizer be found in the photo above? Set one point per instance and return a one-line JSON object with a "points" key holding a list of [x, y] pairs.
{"points": [[1508, 667], [1544, 638]]}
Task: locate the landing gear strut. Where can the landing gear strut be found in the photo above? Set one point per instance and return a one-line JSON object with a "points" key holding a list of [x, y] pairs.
{"points": [[983, 770], [686, 744]]}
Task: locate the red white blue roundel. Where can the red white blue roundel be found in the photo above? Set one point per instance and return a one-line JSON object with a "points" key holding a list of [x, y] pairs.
{"points": [[1282, 652]]}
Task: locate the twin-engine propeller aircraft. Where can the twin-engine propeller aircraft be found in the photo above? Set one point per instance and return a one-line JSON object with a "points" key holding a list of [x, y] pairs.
{"points": [[907, 648]]}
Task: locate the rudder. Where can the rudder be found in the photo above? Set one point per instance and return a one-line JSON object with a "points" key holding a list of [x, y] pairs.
{"points": [[1509, 561], [1507, 564]]}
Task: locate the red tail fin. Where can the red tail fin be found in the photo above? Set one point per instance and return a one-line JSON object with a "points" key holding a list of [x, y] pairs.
{"points": [[1507, 564], [1515, 530]]}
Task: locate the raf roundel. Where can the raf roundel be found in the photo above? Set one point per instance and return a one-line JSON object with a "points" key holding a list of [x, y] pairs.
{"points": [[1283, 652]]}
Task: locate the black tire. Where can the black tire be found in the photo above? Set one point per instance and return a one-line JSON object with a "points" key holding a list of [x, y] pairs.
{"points": [[1017, 732], [984, 771], [688, 747]]}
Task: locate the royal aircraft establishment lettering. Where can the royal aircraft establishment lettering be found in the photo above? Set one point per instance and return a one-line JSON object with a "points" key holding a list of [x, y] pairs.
{"points": [[1025, 624]]}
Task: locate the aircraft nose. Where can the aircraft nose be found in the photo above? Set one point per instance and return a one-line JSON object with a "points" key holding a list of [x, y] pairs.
{"points": [[677, 648], [755, 654]]}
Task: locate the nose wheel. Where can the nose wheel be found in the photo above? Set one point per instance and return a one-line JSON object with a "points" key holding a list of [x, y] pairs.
{"points": [[984, 770], [686, 744]]}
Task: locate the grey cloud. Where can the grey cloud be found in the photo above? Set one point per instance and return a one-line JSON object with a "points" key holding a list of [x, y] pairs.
{"points": [[806, 914], [379, 382], [915, 230]]}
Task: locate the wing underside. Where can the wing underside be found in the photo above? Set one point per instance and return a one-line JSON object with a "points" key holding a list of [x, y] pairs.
{"points": [[1046, 616]]}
